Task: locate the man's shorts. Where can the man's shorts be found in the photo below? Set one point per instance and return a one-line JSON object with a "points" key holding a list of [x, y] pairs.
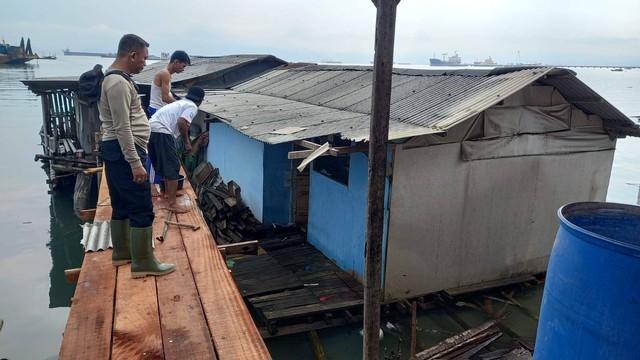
{"points": [[164, 155]]}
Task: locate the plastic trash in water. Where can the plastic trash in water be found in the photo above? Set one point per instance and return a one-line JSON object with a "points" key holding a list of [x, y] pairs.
{"points": [[391, 326]]}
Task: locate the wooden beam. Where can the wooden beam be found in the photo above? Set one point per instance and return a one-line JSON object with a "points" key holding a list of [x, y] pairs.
{"points": [[72, 275], [246, 247], [87, 214], [316, 153], [378, 138], [307, 144], [336, 151]]}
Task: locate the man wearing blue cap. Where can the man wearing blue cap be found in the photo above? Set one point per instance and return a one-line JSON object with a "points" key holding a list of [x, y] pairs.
{"points": [[168, 123]]}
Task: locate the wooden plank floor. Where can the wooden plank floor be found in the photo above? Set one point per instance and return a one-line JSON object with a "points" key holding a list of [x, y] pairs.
{"points": [[296, 285], [196, 312]]}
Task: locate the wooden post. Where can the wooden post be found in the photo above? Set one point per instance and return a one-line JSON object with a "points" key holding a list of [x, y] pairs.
{"points": [[414, 328], [378, 138]]}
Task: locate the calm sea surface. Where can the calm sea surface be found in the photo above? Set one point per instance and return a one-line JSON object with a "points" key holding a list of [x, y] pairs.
{"points": [[40, 234]]}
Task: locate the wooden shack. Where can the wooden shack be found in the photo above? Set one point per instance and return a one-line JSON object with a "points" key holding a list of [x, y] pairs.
{"points": [[479, 162]]}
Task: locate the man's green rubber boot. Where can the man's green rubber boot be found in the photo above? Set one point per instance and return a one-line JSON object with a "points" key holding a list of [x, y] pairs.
{"points": [[121, 242], [144, 263]]}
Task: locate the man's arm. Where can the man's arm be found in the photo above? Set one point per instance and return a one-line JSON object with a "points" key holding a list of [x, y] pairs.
{"points": [[165, 85], [183, 128], [119, 100]]}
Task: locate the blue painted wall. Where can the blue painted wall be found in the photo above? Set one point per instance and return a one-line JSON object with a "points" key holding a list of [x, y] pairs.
{"points": [[240, 159], [338, 216], [277, 184], [261, 170]]}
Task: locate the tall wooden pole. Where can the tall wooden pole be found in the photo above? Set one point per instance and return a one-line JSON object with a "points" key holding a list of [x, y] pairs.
{"points": [[378, 138]]}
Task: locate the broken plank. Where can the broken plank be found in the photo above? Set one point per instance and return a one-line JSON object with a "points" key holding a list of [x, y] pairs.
{"points": [[245, 247]]}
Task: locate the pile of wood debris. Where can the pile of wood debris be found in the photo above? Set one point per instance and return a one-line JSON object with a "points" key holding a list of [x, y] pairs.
{"points": [[470, 342], [221, 203]]}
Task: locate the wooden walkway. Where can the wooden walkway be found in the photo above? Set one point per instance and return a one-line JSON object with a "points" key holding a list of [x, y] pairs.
{"points": [[196, 312]]}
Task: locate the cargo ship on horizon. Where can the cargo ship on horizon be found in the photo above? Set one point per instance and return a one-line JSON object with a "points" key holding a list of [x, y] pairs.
{"points": [[453, 60], [67, 52]]}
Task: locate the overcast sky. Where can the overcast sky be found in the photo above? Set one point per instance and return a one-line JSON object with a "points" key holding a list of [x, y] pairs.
{"points": [[560, 32]]}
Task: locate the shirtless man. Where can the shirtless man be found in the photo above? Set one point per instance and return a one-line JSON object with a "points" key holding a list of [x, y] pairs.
{"points": [[161, 87], [160, 96]]}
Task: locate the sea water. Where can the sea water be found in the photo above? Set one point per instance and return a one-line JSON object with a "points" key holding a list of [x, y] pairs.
{"points": [[40, 233]]}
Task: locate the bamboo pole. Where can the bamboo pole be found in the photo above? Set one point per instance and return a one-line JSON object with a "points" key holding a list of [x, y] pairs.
{"points": [[379, 136]]}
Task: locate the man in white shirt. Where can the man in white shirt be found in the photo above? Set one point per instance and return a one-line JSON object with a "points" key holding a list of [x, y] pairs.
{"points": [[168, 123], [160, 96]]}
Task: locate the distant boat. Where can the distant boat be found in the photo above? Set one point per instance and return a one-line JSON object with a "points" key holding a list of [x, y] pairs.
{"points": [[67, 52], [488, 62], [151, 57], [617, 69], [16, 54], [451, 61]]}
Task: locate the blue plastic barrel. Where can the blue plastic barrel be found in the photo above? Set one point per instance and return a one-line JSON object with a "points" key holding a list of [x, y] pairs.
{"points": [[591, 302]]}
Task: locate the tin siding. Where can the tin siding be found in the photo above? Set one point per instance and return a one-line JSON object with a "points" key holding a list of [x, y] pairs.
{"points": [[240, 159]]}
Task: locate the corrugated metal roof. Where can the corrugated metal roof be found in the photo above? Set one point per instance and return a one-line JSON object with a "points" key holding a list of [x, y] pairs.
{"points": [[337, 99], [202, 67], [258, 116], [96, 236]]}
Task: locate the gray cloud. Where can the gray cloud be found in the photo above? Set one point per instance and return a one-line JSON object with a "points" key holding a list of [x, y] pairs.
{"points": [[565, 32]]}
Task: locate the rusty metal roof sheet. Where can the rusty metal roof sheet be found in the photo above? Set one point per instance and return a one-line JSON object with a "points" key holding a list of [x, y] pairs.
{"points": [[204, 67], [337, 99]]}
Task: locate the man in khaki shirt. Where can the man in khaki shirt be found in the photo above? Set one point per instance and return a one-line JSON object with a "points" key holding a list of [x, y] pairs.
{"points": [[124, 153]]}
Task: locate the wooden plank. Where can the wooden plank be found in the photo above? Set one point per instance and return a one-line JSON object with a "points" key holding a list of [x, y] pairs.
{"points": [[136, 328], [87, 334], [72, 275], [234, 334], [311, 309], [262, 274], [185, 331], [303, 327]]}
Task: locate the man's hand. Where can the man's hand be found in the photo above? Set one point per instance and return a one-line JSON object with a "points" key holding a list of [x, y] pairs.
{"points": [[139, 174]]}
